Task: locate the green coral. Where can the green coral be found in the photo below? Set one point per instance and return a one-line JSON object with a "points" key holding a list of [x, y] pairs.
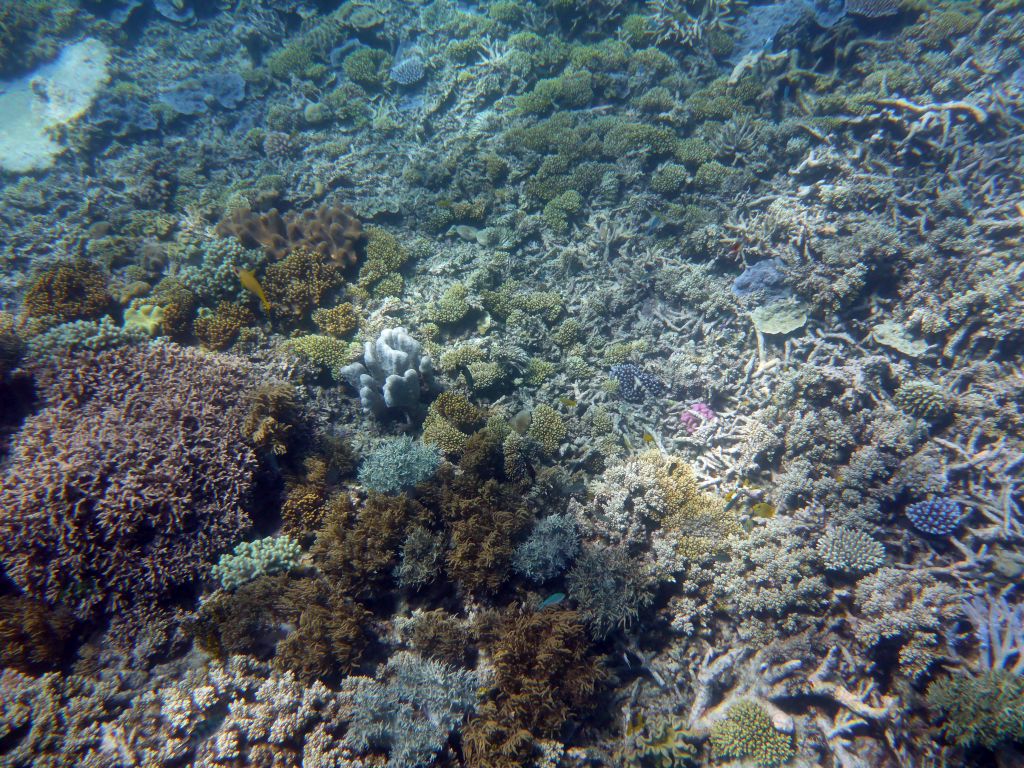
{"points": [[625, 137], [984, 710], [571, 90], [452, 306], [295, 59], [486, 375], [538, 371], [325, 351], [636, 29], [558, 210], [252, 559], [368, 67], [384, 257], [924, 400], [747, 732], [669, 179], [693, 151], [452, 360], [547, 428]]}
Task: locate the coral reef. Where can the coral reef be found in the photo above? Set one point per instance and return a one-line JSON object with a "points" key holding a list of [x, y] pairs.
{"points": [[138, 453], [395, 373], [332, 233], [398, 465]]}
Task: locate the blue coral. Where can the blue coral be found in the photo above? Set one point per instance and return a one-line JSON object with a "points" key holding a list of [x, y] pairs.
{"points": [[938, 517], [408, 71], [399, 464], [635, 384]]}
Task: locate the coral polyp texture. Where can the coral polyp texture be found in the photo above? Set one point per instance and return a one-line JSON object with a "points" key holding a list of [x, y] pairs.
{"points": [[504, 384], [937, 517], [332, 232], [129, 481]]}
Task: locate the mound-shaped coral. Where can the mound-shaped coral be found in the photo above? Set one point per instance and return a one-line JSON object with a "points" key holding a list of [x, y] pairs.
{"points": [[130, 479]]}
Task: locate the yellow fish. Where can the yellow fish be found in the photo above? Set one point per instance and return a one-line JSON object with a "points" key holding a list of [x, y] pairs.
{"points": [[250, 283], [568, 402], [648, 437]]}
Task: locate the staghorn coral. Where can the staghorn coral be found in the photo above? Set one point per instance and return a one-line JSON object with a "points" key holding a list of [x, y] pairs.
{"points": [[333, 233], [130, 479], [68, 290], [907, 610]]}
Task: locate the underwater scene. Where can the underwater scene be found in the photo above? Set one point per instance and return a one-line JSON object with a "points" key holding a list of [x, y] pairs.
{"points": [[511, 383]]}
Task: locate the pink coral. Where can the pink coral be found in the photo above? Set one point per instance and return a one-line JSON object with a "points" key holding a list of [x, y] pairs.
{"points": [[694, 417], [131, 478]]}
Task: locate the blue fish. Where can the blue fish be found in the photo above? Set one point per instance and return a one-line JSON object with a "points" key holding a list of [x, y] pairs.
{"points": [[554, 599]]}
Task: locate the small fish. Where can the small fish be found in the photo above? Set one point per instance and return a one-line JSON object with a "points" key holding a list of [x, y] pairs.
{"points": [[648, 437], [568, 402], [554, 599], [250, 283]]}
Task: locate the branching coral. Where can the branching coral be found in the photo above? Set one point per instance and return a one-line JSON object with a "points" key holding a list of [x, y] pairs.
{"points": [[71, 290], [129, 481], [409, 709], [545, 672]]}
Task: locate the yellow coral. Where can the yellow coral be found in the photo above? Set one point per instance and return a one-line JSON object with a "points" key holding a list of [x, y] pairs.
{"points": [[700, 517]]}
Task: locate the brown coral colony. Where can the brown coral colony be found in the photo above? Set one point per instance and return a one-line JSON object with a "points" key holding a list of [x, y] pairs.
{"points": [[333, 232]]}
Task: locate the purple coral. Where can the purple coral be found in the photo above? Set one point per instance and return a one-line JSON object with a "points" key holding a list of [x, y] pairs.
{"points": [[635, 384], [938, 517], [129, 481], [694, 417]]}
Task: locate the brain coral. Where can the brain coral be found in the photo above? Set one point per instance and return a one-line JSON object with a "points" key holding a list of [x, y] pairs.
{"points": [[129, 481]]}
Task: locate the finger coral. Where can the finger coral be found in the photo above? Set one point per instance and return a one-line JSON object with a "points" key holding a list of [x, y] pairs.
{"points": [[129, 481]]}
